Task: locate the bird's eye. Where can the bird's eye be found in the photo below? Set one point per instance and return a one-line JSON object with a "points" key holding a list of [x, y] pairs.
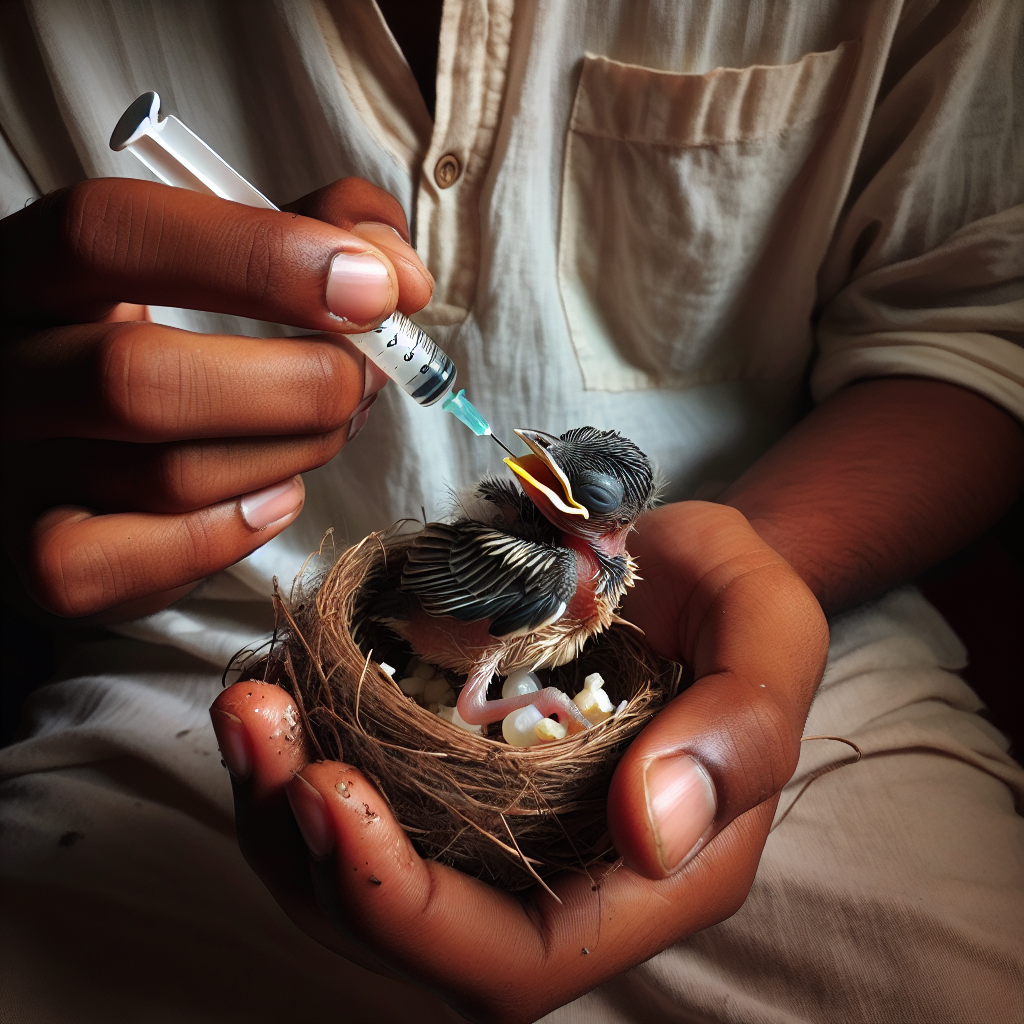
{"points": [[599, 493]]}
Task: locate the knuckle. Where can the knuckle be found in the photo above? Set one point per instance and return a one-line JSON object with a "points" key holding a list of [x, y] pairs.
{"points": [[144, 385], [72, 579], [98, 223], [264, 248], [179, 475], [199, 543], [127, 378], [325, 380]]}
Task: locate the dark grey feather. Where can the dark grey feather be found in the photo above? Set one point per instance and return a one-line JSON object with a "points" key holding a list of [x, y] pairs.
{"points": [[472, 571]]}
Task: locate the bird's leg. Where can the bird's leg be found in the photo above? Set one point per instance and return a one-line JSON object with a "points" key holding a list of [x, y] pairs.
{"points": [[475, 708]]}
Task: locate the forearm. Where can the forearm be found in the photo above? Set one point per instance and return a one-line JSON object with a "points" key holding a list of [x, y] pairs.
{"points": [[882, 481]]}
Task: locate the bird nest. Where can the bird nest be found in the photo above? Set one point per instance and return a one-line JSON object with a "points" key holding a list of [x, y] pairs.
{"points": [[509, 815]]}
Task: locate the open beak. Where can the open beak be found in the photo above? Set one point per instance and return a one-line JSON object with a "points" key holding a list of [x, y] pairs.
{"points": [[541, 476]]}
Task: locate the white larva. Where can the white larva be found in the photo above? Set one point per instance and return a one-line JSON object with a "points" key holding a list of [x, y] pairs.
{"points": [[520, 682], [593, 701], [519, 727]]}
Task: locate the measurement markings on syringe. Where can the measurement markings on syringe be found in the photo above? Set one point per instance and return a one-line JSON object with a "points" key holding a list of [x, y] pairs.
{"points": [[411, 357], [401, 348]]}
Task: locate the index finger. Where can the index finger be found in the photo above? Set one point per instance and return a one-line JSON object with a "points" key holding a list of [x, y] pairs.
{"points": [[73, 254]]}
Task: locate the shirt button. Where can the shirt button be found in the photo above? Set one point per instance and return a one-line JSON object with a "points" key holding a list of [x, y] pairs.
{"points": [[447, 171]]}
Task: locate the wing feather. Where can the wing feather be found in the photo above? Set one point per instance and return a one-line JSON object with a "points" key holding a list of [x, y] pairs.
{"points": [[474, 571]]}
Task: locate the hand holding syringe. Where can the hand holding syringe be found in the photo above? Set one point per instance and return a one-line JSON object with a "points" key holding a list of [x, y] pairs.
{"points": [[399, 347]]}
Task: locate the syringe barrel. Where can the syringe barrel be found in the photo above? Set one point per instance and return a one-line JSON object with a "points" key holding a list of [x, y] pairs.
{"points": [[178, 156], [409, 357]]}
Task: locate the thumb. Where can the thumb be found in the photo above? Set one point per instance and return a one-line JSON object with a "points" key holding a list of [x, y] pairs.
{"points": [[731, 741], [356, 205]]}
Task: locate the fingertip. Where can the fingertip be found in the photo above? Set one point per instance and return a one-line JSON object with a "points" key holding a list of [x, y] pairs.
{"points": [[662, 813], [232, 742], [311, 816], [374, 380], [271, 729], [415, 282], [629, 822], [273, 506], [371, 844]]}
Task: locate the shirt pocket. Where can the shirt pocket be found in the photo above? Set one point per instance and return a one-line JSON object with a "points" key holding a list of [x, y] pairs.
{"points": [[678, 198]]}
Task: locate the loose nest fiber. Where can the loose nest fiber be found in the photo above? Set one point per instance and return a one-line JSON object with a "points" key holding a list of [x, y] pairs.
{"points": [[508, 815]]}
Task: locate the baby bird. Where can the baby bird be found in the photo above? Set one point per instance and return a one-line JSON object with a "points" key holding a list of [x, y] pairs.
{"points": [[526, 576]]}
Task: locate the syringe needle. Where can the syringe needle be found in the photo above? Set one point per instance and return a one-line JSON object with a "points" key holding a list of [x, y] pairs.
{"points": [[503, 445], [464, 411]]}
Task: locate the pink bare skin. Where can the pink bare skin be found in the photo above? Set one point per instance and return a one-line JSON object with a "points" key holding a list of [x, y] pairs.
{"points": [[883, 480], [435, 638], [475, 708]]}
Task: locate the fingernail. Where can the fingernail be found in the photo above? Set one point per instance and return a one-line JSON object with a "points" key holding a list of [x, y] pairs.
{"points": [[681, 803], [357, 424], [358, 288], [365, 404], [262, 508], [378, 232], [385, 236], [230, 735], [311, 815], [374, 378]]}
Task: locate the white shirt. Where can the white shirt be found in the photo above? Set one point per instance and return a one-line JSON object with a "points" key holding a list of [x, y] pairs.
{"points": [[638, 240], [668, 216]]}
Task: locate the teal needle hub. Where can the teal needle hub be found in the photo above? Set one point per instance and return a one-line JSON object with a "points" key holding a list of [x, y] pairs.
{"points": [[462, 409]]}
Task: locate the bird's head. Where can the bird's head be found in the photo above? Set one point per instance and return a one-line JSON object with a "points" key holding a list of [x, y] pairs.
{"points": [[590, 483]]}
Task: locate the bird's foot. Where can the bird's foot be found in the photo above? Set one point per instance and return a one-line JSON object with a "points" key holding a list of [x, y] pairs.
{"points": [[475, 708]]}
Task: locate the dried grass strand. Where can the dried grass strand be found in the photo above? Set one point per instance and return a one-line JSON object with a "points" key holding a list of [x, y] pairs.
{"points": [[818, 773]]}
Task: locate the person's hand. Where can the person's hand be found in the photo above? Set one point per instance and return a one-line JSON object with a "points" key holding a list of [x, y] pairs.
{"points": [[138, 459], [689, 808]]}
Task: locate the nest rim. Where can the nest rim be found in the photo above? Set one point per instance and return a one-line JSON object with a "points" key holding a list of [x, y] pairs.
{"points": [[461, 797]]}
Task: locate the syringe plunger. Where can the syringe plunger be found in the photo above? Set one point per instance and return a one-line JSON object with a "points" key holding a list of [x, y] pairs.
{"points": [[399, 347]]}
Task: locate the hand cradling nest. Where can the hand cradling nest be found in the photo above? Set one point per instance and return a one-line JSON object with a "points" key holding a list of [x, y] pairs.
{"points": [[499, 590]]}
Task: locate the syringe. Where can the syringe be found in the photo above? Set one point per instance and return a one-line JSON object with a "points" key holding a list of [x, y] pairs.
{"points": [[177, 156]]}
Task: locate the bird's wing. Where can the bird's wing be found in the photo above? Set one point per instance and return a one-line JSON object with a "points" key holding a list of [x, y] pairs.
{"points": [[472, 571]]}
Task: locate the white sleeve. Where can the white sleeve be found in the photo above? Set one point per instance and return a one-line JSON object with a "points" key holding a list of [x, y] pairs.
{"points": [[16, 187], [925, 276]]}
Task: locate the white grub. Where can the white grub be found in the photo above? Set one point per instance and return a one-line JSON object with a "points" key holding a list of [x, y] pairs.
{"points": [[423, 671], [520, 682], [548, 730], [437, 691], [452, 715], [520, 727], [389, 669], [412, 686], [593, 701]]}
